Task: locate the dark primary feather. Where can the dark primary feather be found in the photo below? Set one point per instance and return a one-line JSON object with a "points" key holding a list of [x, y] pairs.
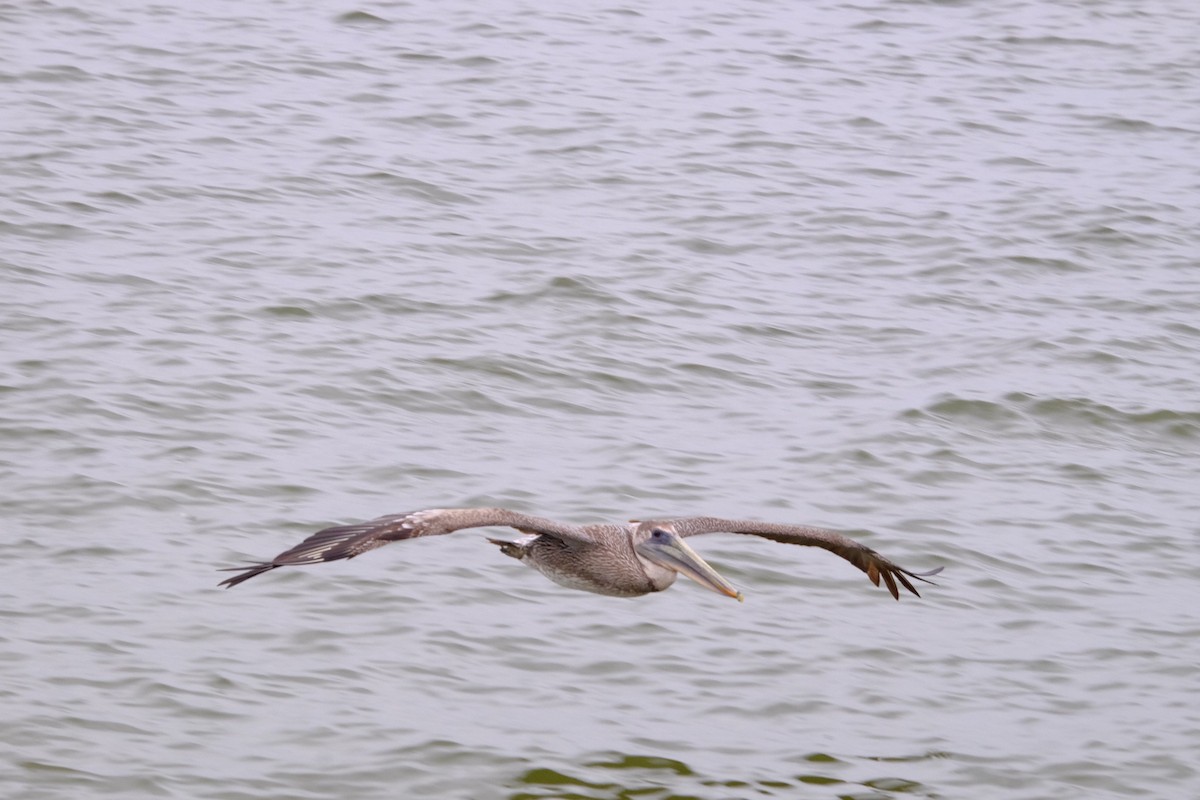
{"points": [[330, 544], [348, 541], [876, 566]]}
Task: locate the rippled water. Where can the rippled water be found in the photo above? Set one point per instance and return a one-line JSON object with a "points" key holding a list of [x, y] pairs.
{"points": [[924, 272]]}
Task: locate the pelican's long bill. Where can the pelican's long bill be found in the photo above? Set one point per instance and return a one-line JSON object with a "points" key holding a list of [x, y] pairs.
{"points": [[667, 549]]}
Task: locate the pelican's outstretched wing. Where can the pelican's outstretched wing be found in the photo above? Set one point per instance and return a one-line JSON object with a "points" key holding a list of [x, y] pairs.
{"points": [[857, 553], [348, 541]]}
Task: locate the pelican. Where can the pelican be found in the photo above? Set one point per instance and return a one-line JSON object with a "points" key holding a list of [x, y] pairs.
{"points": [[619, 560]]}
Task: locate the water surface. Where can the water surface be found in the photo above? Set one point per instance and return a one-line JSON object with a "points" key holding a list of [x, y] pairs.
{"points": [[923, 272]]}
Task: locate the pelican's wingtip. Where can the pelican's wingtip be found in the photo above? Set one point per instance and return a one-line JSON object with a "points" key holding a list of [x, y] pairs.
{"points": [[246, 573]]}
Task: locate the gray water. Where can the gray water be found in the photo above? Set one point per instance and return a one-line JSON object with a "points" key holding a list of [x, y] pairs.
{"points": [[923, 272]]}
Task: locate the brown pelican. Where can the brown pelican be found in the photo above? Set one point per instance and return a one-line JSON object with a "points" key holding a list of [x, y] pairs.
{"points": [[626, 560]]}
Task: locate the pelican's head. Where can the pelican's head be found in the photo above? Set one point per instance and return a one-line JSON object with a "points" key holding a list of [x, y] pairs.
{"points": [[661, 545]]}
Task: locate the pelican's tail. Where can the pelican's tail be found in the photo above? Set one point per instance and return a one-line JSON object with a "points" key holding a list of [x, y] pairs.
{"points": [[518, 548], [514, 549]]}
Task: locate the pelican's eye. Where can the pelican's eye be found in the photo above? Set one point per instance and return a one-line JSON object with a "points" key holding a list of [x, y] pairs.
{"points": [[659, 535]]}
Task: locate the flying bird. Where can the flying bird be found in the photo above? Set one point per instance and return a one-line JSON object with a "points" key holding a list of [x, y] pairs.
{"points": [[620, 560]]}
